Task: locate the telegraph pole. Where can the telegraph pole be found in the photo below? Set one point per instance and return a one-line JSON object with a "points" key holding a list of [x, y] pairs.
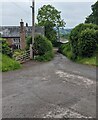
{"points": [[33, 30]]}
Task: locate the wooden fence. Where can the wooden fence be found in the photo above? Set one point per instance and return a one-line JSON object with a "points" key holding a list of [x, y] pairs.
{"points": [[23, 57]]}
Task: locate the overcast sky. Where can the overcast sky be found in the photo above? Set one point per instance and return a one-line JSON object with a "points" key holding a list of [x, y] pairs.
{"points": [[73, 13]]}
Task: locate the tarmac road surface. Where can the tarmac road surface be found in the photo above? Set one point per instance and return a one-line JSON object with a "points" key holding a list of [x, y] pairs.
{"points": [[56, 89]]}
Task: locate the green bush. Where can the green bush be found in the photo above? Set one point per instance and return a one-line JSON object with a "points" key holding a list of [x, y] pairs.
{"points": [[46, 57], [43, 48], [75, 37], [8, 64], [65, 49], [42, 45], [4, 47], [87, 43]]}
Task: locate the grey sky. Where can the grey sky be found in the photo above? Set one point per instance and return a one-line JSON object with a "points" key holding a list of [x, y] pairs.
{"points": [[72, 12]]}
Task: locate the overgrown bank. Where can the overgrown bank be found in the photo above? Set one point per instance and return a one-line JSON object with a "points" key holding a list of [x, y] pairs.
{"points": [[65, 49], [6, 64], [83, 44], [6, 61]]}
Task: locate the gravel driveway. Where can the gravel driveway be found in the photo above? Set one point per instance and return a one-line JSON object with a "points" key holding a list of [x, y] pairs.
{"points": [[55, 89]]}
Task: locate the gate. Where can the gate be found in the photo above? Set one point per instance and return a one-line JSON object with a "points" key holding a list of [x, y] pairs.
{"points": [[23, 57]]}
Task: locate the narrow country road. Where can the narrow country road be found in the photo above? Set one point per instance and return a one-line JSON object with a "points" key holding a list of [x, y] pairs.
{"points": [[55, 89]]}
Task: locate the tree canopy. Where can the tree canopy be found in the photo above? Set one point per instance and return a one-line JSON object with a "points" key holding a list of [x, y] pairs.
{"points": [[49, 17], [93, 17]]}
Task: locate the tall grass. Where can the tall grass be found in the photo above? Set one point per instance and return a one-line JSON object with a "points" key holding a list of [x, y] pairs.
{"points": [[65, 49], [6, 64]]}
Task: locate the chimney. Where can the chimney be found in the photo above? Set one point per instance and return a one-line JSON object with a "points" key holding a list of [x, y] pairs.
{"points": [[26, 24], [21, 26], [26, 28], [22, 35]]}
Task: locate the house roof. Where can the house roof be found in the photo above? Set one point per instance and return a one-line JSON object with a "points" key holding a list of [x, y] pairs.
{"points": [[14, 31], [38, 30], [10, 31]]}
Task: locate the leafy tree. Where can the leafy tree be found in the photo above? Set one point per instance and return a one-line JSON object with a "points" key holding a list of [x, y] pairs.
{"points": [[50, 33], [93, 18], [78, 44], [49, 17]]}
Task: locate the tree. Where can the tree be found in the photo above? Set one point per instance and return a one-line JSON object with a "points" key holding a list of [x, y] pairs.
{"points": [[93, 18], [50, 33], [49, 17], [83, 39]]}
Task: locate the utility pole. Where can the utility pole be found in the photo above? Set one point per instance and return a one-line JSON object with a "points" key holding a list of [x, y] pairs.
{"points": [[33, 30]]}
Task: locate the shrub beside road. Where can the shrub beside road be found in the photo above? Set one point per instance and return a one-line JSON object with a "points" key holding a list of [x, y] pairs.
{"points": [[83, 44], [43, 49]]}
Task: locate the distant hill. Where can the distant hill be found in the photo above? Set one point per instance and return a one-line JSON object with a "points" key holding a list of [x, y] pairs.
{"points": [[64, 31]]}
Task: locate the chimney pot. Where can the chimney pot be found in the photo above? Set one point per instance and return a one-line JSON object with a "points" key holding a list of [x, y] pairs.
{"points": [[26, 24], [21, 20]]}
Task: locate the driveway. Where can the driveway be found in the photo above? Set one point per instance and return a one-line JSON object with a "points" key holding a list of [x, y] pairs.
{"points": [[55, 89]]}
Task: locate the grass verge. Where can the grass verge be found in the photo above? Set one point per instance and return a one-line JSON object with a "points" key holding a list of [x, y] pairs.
{"points": [[7, 64], [65, 49], [88, 61]]}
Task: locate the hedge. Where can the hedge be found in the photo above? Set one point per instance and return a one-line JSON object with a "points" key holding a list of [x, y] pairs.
{"points": [[76, 38]]}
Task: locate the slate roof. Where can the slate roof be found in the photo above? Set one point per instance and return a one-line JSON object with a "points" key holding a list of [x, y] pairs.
{"points": [[14, 31], [10, 31], [38, 30]]}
